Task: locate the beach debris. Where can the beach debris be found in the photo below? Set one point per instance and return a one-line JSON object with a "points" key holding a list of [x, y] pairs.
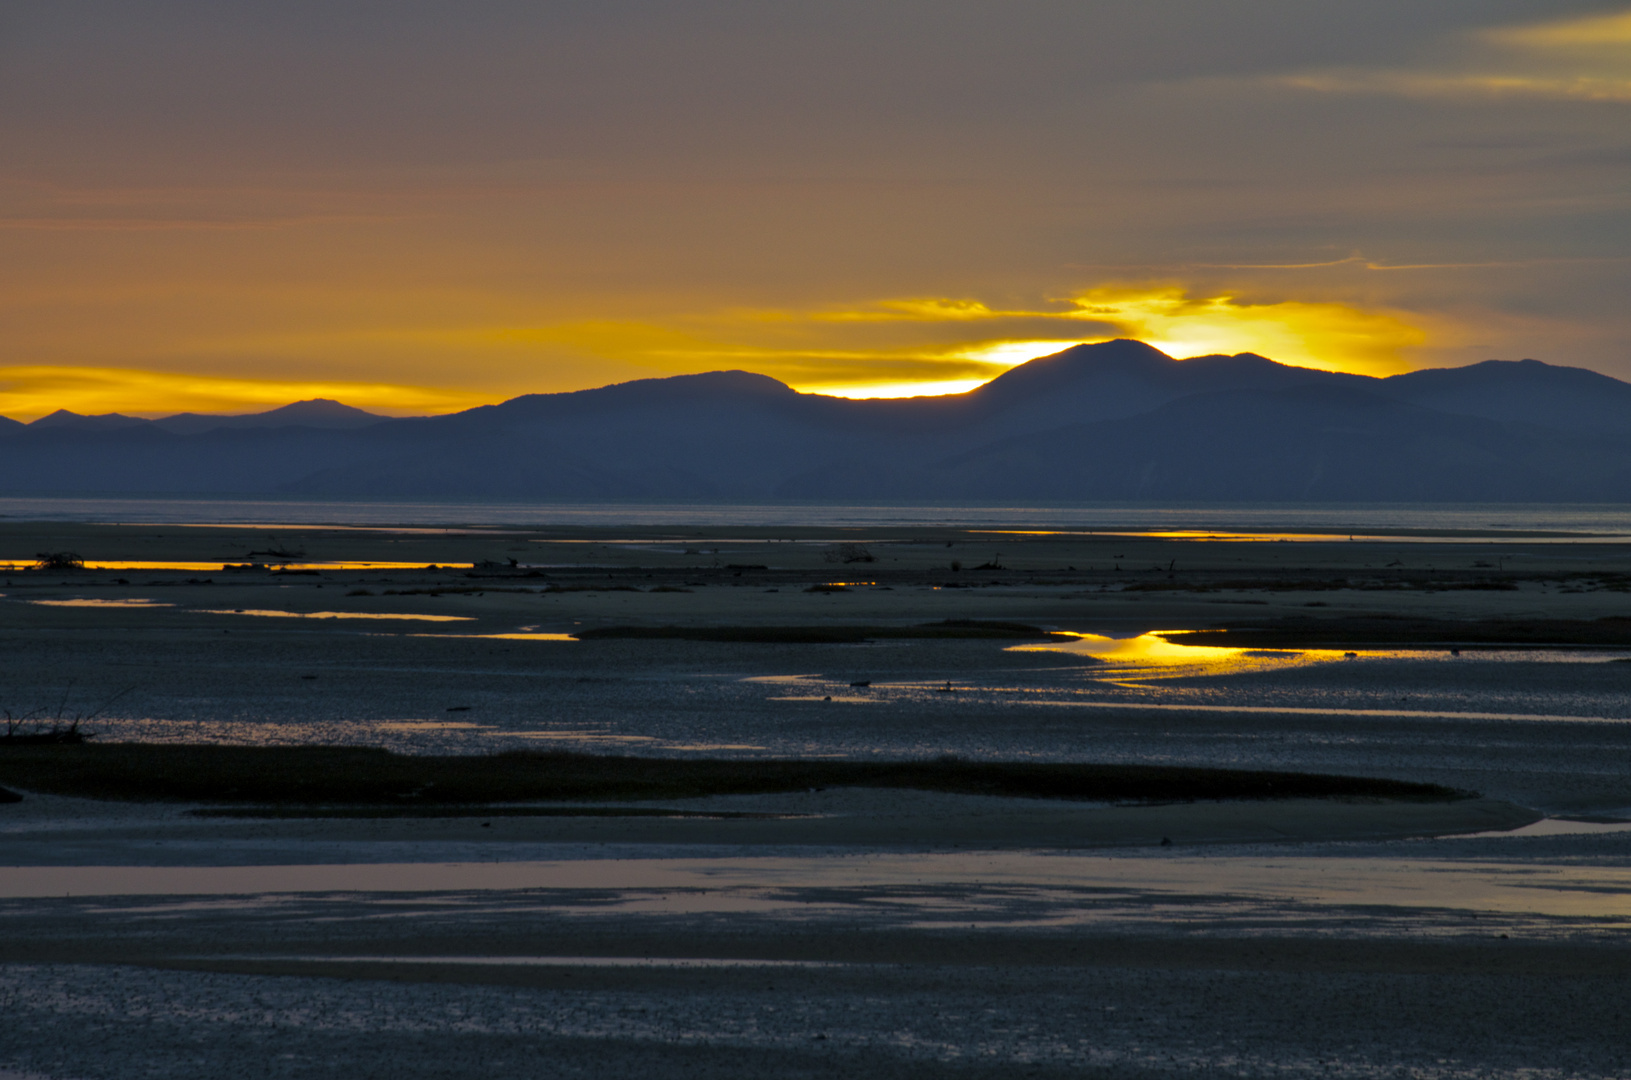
{"points": [[862, 682], [1166, 841], [279, 553], [58, 560], [64, 731], [848, 553], [458, 708]]}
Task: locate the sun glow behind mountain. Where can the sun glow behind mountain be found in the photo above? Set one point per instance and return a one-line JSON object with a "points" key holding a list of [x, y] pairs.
{"points": [[566, 200], [1324, 335], [887, 349]]}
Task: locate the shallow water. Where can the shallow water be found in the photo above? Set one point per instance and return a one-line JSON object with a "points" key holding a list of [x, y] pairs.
{"points": [[1545, 728], [1511, 519]]}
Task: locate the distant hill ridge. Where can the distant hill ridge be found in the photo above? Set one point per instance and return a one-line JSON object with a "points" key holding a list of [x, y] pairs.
{"points": [[313, 413], [1117, 420]]}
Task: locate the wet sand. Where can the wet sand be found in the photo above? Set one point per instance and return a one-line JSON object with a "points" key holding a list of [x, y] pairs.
{"points": [[67, 832], [932, 935]]}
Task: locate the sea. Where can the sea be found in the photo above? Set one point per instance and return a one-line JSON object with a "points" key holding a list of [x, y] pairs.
{"points": [[1462, 521]]}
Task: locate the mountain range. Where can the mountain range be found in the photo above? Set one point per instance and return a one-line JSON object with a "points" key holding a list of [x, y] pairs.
{"points": [[1118, 420]]}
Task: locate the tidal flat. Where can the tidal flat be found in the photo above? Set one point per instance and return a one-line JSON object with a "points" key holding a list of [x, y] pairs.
{"points": [[821, 927]]}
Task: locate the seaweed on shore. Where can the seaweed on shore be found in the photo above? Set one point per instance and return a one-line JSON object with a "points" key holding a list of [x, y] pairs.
{"points": [[356, 776]]}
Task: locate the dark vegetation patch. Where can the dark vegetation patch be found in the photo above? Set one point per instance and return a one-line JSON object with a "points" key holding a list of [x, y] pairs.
{"points": [[455, 590], [52, 736], [825, 635], [358, 776], [1307, 632]]}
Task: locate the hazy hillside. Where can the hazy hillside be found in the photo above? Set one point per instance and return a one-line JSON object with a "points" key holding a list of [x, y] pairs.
{"points": [[1118, 420]]}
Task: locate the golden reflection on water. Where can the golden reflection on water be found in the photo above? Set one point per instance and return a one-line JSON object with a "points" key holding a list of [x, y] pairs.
{"points": [[269, 613], [223, 566], [1133, 662], [1149, 649], [501, 637], [99, 603]]}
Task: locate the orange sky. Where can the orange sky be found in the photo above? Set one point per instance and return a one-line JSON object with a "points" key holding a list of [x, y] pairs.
{"points": [[421, 208]]}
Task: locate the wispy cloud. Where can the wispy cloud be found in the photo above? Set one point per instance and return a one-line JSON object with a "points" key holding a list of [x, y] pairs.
{"points": [[1580, 59], [1468, 86]]}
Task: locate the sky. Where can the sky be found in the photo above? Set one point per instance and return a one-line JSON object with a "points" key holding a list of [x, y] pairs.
{"points": [[417, 207]]}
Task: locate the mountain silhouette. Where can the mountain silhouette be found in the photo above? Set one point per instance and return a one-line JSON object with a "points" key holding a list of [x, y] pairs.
{"points": [[314, 413], [1118, 420], [62, 418]]}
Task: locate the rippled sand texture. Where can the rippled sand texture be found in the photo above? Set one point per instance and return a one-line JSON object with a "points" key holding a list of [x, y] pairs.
{"points": [[1249, 964], [922, 1021]]}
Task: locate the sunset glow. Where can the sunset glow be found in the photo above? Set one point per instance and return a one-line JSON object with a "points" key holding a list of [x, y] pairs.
{"points": [[1332, 337], [205, 235], [30, 392]]}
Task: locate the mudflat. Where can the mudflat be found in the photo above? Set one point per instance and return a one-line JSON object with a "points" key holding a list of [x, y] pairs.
{"points": [[853, 929]]}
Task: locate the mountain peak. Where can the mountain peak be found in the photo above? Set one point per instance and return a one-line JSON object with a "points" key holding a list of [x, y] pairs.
{"points": [[62, 418], [313, 413], [318, 408]]}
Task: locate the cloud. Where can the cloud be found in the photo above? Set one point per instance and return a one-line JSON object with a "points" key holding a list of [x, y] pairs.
{"points": [[517, 198], [1579, 59], [1469, 86], [953, 344], [1591, 32]]}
